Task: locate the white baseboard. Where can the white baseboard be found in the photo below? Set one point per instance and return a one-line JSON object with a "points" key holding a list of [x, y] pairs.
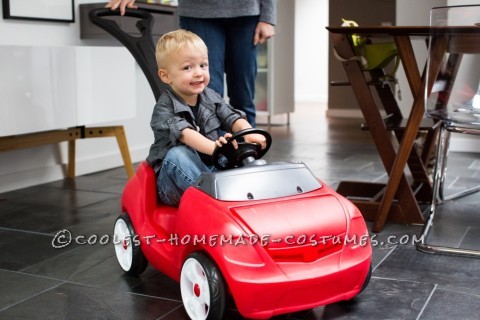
{"points": [[279, 119], [344, 113], [32, 177], [108, 161], [53, 172]]}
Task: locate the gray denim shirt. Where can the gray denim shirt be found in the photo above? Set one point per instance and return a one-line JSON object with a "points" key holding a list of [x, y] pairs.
{"points": [[171, 115], [265, 9]]}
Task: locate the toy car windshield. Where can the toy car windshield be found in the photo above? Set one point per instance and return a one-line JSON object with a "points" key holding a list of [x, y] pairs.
{"points": [[259, 182]]}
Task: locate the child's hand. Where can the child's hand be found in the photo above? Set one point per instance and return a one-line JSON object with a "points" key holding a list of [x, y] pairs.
{"points": [[256, 138], [223, 140]]}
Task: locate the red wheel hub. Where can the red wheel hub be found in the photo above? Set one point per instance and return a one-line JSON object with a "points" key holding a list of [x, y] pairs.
{"points": [[196, 290]]}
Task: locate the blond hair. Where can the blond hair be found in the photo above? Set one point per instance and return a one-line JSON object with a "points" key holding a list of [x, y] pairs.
{"points": [[174, 42]]}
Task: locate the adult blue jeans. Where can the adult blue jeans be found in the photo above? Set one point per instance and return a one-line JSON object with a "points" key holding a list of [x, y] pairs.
{"points": [[230, 52], [180, 169]]}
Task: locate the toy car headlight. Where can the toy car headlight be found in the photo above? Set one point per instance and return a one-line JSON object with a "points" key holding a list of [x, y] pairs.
{"points": [[357, 234], [242, 250]]}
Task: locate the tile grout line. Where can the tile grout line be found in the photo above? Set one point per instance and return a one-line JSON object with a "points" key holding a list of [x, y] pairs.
{"points": [[27, 231], [48, 259], [35, 295], [463, 236], [169, 312], [380, 177], [63, 281], [150, 296], [384, 258], [426, 302], [450, 186], [369, 164]]}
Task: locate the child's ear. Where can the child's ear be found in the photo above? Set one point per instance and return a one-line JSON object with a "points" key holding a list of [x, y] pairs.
{"points": [[163, 75]]}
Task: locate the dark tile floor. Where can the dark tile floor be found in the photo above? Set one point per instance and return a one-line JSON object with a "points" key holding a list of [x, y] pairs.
{"points": [[84, 281]]}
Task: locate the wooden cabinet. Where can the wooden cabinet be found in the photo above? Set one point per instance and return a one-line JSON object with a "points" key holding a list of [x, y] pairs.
{"points": [[47, 88]]}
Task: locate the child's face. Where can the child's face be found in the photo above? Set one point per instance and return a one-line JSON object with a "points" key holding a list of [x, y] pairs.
{"points": [[187, 73]]}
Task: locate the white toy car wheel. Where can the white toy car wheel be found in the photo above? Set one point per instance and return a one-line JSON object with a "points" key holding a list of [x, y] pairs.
{"points": [[202, 288], [127, 249]]}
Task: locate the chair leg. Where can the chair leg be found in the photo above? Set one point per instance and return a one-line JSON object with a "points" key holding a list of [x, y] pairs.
{"points": [[123, 146], [119, 133], [437, 198], [423, 245], [444, 157]]}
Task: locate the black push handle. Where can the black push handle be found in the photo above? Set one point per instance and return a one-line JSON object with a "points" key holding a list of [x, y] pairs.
{"points": [[142, 48], [144, 25]]}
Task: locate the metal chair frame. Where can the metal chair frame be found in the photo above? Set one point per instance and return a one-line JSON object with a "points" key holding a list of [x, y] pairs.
{"points": [[448, 124], [438, 190]]}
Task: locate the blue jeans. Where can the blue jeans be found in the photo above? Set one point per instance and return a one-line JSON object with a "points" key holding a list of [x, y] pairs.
{"points": [[180, 169], [231, 51]]}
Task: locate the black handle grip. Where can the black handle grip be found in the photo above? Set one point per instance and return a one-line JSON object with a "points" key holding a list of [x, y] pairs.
{"points": [[144, 25], [102, 12]]}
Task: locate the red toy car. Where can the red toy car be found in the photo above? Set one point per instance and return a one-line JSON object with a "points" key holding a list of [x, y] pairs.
{"points": [[271, 235]]}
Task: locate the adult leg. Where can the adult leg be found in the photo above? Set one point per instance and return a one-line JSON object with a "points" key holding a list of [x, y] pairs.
{"points": [[180, 169], [212, 33], [241, 64]]}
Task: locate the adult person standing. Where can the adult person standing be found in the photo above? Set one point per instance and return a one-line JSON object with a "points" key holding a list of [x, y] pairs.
{"points": [[232, 30]]}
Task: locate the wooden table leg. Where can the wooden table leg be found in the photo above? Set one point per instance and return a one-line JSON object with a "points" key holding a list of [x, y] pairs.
{"points": [[417, 87], [378, 131], [397, 171], [395, 123]]}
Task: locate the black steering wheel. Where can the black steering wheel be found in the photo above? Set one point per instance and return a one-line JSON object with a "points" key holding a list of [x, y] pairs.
{"points": [[227, 157]]}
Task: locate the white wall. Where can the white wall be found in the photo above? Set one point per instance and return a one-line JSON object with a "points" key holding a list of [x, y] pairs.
{"points": [[47, 163], [311, 51]]}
